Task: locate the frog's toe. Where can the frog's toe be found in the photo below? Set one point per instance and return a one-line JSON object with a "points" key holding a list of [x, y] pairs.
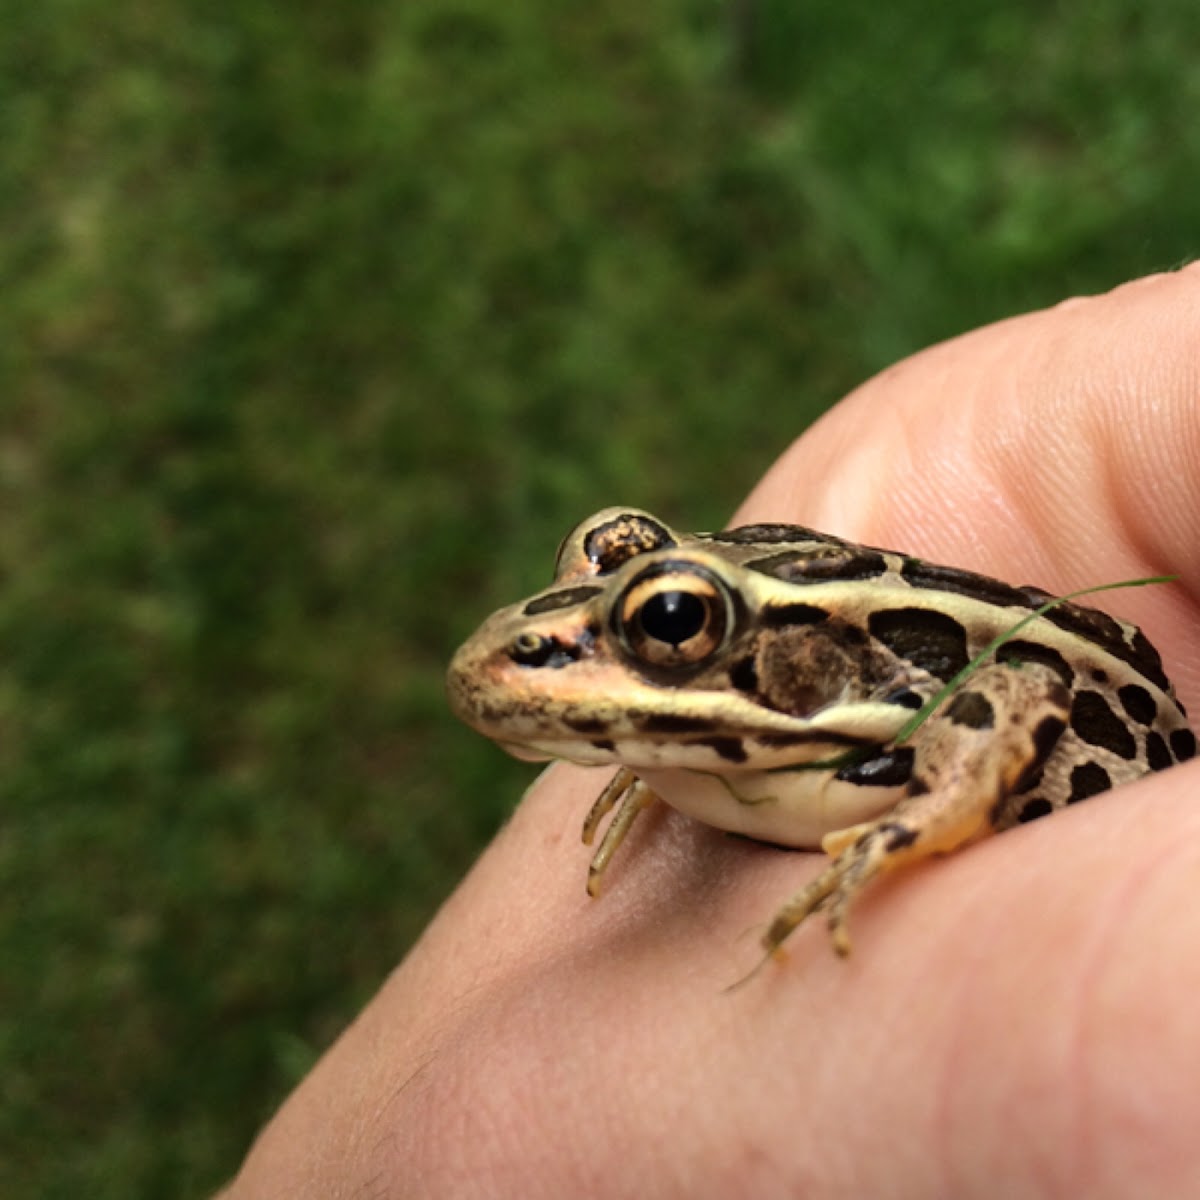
{"points": [[630, 796], [827, 891], [861, 853]]}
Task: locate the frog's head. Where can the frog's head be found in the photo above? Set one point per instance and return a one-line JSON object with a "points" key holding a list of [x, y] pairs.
{"points": [[644, 652]]}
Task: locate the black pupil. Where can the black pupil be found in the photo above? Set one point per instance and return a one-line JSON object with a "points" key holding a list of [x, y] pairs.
{"points": [[673, 617]]}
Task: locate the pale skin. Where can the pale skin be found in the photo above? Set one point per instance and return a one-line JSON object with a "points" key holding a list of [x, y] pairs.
{"points": [[1017, 1019]]}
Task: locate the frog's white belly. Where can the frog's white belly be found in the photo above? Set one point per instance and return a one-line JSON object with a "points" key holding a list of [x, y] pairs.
{"points": [[788, 808]]}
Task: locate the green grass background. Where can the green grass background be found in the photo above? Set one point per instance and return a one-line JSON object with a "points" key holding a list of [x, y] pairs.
{"points": [[319, 324]]}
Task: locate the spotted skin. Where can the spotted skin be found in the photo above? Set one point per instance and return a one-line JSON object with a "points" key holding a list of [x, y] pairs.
{"points": [[759, 679]]}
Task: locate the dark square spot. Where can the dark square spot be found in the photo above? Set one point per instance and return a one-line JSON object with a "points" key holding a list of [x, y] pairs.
{"points": [[1032, 809], [1183, 744], [1088, 779]]}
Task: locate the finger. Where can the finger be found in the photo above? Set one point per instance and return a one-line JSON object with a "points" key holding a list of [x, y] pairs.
{"points": [[1060, 448]]}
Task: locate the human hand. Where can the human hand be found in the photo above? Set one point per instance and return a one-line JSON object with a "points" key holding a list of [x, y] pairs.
{"points": [[1016, 1019]]}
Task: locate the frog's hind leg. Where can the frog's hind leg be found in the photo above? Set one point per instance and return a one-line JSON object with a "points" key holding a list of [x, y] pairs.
{"points": [[983, 744]]}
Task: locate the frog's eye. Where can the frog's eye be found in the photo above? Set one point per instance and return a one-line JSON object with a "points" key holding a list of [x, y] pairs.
{"points": [[674, 615]]}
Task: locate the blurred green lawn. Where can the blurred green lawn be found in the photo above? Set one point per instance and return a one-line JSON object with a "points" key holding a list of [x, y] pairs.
{"points": [[319, 326]]}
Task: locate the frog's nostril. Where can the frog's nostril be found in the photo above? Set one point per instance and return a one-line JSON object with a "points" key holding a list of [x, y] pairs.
{"points": [[530, 649]]}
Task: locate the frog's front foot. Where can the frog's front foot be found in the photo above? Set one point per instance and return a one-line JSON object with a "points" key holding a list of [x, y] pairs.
{"points": [[629, 795]]}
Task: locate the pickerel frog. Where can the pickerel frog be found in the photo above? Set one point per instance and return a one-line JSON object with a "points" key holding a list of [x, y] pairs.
{"points": [[758, 680]]}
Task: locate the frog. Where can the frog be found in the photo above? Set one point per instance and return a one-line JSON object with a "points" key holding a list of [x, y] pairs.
{"points": [[764, 680]]}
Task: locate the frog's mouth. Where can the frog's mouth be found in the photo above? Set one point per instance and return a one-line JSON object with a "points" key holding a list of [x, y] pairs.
{"points": [[527, 753], [719, 750], [591, 709]]}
